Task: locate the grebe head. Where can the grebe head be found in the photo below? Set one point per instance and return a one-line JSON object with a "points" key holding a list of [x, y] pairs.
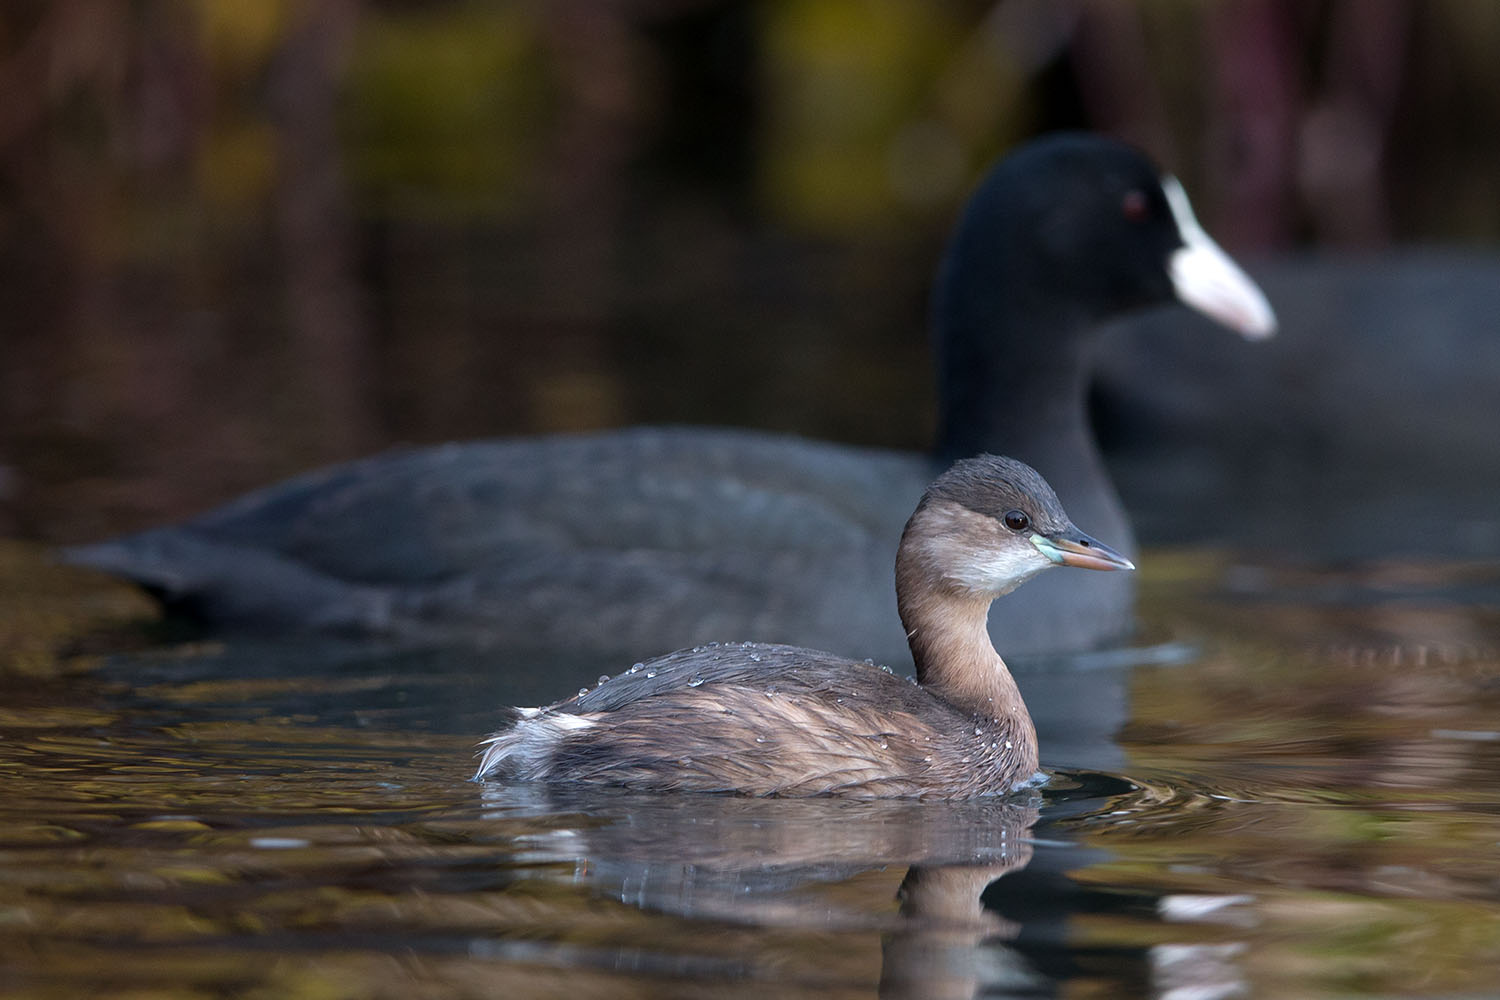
{"points": [[987, 525]]}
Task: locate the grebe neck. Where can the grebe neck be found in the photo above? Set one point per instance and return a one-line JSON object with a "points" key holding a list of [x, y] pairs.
{"points": [[950, 643], [946, 620]]}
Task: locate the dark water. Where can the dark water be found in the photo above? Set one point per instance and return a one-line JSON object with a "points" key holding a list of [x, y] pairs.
{"points": [[1306, 803]]}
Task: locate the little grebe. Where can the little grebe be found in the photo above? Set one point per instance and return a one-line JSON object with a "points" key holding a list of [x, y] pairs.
{"points": [[781, 720]]}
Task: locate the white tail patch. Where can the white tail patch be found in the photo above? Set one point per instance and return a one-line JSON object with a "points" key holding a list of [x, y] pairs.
{"points": [[524, 751]]}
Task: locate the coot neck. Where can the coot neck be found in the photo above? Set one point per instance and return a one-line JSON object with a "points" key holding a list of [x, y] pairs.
{"points": [[1013, 371]]}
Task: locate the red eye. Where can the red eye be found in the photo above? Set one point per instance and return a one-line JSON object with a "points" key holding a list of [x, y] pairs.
{"points": [[1135, 206]]}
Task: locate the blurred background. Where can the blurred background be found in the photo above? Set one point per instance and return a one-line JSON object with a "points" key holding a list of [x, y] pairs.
{"points": [[240, 240]]}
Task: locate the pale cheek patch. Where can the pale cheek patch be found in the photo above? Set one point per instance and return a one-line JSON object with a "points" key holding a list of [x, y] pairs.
{"points": [[973, 553], [989, 572]]}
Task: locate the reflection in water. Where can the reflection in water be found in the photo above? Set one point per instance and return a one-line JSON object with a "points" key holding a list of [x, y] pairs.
{"points": [[949, 945], [815, 865], [1308, 806]]}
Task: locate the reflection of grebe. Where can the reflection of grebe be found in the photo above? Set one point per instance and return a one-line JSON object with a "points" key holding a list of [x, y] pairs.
{"points": [[780, 720], [758, 878]]}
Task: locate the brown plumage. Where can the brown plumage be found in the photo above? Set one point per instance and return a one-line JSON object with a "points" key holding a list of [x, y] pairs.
{"points": [[759, 719]]}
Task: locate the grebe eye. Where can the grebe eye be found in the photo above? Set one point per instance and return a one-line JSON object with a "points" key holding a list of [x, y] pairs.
{"points": [[1135, 206], [1016, 520]]}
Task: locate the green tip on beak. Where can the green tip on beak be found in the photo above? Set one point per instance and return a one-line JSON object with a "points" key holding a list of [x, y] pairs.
{"points": [[1078, 549]]}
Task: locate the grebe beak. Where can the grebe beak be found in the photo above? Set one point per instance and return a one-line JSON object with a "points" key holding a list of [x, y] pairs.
{"points": [[1077, 549]]}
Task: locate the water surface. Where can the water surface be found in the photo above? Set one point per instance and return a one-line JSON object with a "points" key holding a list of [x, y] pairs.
{"points": [[1304, 802]]}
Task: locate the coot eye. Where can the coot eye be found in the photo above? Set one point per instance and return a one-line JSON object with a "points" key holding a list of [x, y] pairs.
{"points": [[1135, 206], [1016, 520]]}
